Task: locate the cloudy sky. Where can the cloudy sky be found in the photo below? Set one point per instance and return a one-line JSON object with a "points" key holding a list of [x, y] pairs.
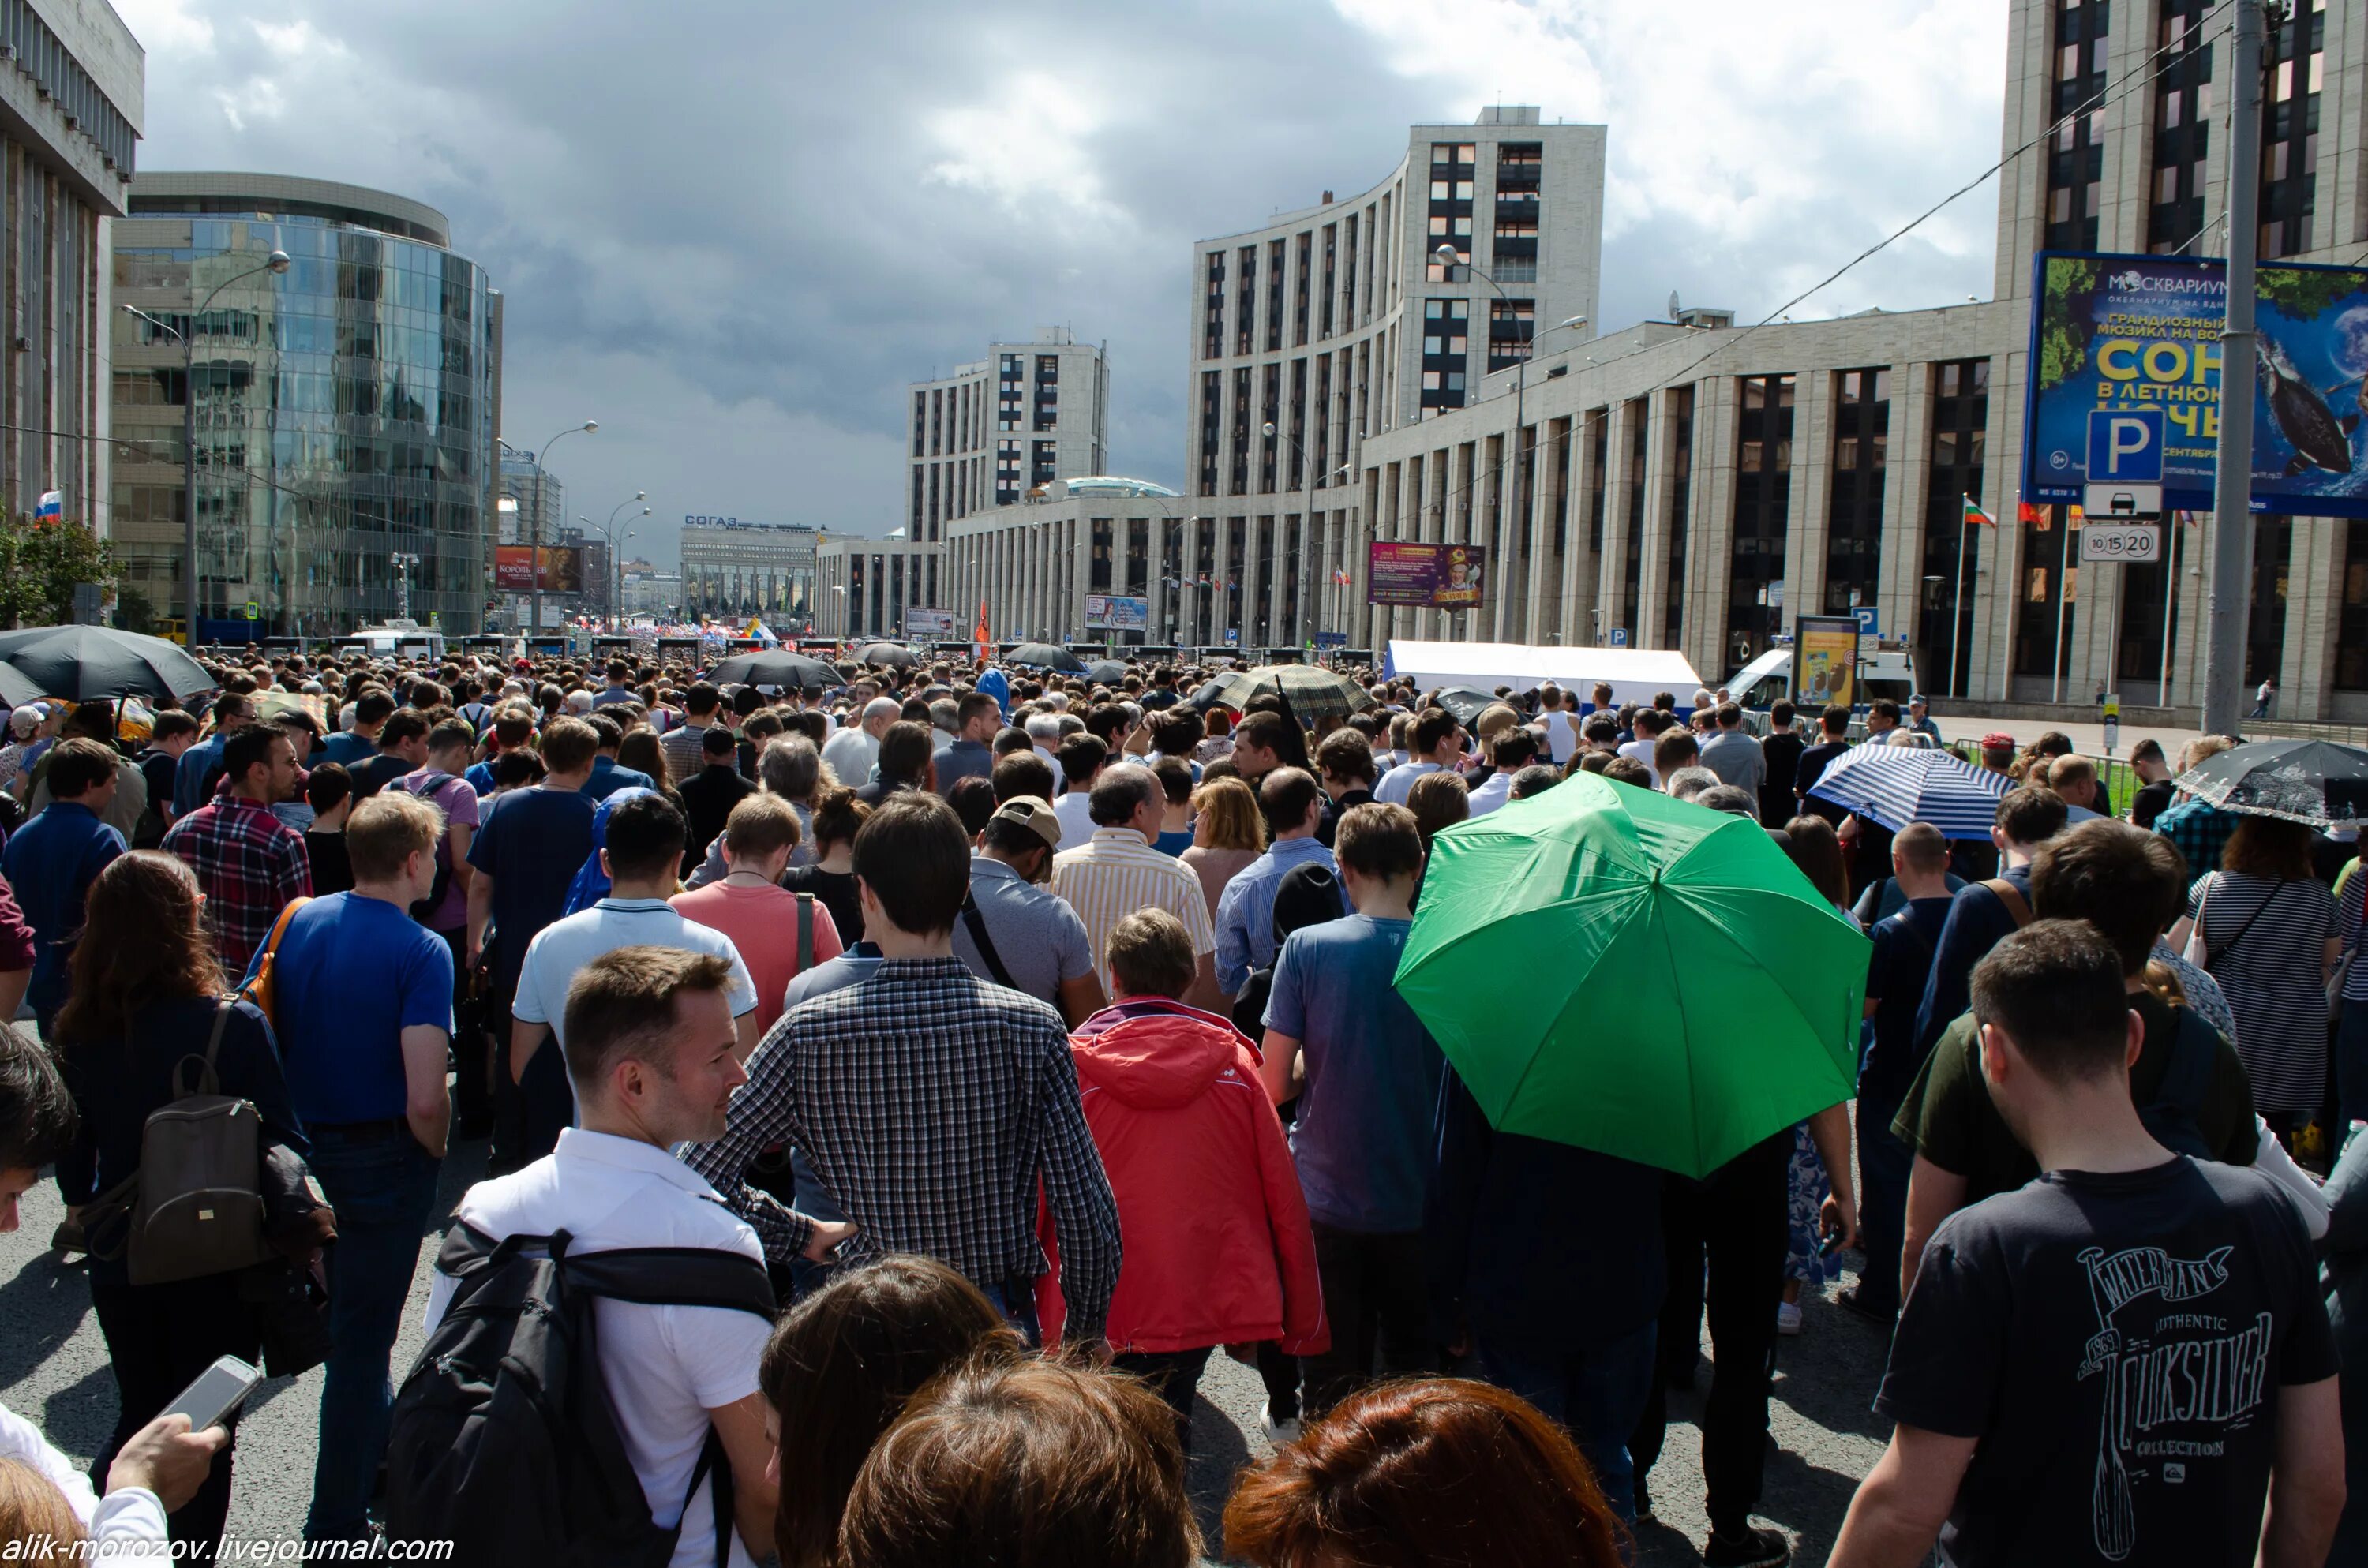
{"points": [[732, 231]]}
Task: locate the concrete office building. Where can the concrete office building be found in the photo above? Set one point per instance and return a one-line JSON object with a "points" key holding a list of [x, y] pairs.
{"points": [[346, 415], [864, 585], [1695, 486], [1331, 322], [538, 494], [73, 90], [731, 570], [1037, 564], [1026, 415]]}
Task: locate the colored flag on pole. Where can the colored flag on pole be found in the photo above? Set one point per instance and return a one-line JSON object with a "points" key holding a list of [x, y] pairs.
{"points": [[980, 634], [2029, 513], [52, 507], [1975, 518], [1340, 578]]}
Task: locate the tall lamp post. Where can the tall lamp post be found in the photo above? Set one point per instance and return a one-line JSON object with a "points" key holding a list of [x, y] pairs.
{"points": [[276, 264], [534, 524], [616, 567], [1449, 258]]}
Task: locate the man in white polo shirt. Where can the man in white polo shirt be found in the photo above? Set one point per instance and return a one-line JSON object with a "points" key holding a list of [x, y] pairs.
{"points": [[655, 1061], [641, 855]]}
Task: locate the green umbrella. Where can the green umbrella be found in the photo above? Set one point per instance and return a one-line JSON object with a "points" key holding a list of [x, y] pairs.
{"points": [[1610, 968]]}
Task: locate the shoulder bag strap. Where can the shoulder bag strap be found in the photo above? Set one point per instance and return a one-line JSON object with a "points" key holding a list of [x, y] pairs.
{"points": [[209, 1081], [676, 1277], [977, 924], [2010, 895], [2259, 910], [805, 932]]}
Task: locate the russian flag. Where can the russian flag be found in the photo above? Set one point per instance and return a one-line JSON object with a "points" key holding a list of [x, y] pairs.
{"points": [[52, 507]]}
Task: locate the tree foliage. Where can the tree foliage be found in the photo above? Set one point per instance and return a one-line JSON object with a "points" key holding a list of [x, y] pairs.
{"points": [[41, 563]]}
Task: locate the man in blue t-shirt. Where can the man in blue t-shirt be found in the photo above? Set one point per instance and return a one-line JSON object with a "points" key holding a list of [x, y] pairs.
{"points": [[362, 1006], [1901, 962], [1363, 1143], [525, 854]]}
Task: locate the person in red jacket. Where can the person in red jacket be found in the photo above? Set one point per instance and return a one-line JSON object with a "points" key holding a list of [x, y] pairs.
{"points": [[1215, 1245]]}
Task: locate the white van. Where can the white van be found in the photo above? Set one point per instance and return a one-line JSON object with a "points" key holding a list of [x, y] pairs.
{"points": [[1885, 669]]}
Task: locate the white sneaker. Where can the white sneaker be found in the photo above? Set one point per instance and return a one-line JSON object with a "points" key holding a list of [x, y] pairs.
{"points": [[1788, 1317], [1277, 1432]]}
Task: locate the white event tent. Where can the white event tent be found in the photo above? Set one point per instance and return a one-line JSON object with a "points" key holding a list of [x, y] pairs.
{"points": [[1635, 674]]}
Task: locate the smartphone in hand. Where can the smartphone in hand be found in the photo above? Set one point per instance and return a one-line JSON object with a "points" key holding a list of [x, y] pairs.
{"points": [[216, 1395]]}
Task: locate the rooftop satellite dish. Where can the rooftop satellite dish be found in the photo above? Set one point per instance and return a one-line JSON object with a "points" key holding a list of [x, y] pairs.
{"points": [[1673, 304]]}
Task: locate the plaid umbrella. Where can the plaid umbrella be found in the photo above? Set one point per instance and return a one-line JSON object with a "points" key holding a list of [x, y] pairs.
{"points": [[1893, 786], [1319, 700], [2315, 782]]}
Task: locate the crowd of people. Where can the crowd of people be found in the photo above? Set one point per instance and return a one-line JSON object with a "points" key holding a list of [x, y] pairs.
{"points": [[906, 1089]]}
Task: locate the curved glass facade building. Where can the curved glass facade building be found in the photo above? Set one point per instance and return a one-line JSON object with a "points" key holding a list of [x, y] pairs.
{"points": [[346, 410]]}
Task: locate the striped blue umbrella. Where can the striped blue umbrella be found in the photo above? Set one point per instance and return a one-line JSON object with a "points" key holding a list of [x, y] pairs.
{"points": [[1893, 786]]}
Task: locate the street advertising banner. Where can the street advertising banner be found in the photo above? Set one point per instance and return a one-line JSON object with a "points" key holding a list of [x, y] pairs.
{"points": [[930, 623], [2123, 335], [1825, 660], [1434, 576], [562, 568], [1118, 612]]}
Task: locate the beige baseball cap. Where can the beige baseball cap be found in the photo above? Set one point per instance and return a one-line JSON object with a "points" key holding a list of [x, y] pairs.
{"points": [[1033, 813]]}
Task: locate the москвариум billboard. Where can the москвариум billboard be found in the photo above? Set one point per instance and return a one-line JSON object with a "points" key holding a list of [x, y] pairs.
{"points": [[2143, 332]]}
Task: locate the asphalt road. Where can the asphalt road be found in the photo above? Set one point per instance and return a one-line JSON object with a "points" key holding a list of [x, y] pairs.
{"points": [[53, 1371]]}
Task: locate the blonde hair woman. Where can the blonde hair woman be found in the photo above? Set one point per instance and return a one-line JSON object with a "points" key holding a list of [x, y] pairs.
{"points": [[1227, 834]]}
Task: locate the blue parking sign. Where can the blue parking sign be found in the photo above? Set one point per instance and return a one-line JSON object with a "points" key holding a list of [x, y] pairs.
{"points": [[1619, 637], [2125, 446], [1869, 621]]}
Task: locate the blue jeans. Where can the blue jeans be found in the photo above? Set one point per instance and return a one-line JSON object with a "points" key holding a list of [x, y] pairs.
{"points": [[1597, 1393], [1884, 1162], [1017, 1303], [382, 1186]]}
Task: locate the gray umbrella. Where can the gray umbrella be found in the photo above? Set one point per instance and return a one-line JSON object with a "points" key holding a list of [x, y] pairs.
{"points": [[1105, 672], [83, 664], [1045, 656]]}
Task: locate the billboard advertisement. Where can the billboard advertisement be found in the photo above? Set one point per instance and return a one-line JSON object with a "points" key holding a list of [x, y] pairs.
{"points": [[2133, 334], [1118, 612], [934, 624], [562, 568], [1825, 660], [1436, 576]]}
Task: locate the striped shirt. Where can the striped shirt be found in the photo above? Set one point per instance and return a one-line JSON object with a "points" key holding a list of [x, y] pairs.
{"points": [[1116, 872], [2267, 940]]}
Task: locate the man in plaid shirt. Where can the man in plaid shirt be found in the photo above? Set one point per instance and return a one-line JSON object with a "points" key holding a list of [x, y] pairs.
{"points": [[929, 1102], [249, 863], [2200, 829]]}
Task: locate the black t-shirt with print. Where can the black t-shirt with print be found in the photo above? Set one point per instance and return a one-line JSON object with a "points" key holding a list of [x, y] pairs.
{"points": [[2116, 1344]]}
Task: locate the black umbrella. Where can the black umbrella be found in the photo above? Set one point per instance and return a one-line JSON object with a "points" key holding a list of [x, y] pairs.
{"points": [[775, 667], [1045, 656], [1464, 703], [2316, 782], [888, 656], [83, 664], [1105, 672], [1318, 699]]}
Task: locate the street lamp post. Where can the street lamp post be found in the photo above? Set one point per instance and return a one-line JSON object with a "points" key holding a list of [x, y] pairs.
{"points": [[276, 264], [616, 568], [534, 524], [1449, 259]]}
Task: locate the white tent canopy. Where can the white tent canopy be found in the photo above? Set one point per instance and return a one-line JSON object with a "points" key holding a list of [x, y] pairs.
{"points": [[1635, 674]]}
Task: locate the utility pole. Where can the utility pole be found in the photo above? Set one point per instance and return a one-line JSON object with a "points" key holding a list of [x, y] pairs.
{"points": [[2231, 581]]}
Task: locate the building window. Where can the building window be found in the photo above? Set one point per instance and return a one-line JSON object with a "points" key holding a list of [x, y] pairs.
{"points": [[2351, 612], [1960, 413], [2075, 157], [1763, 493], [1854, 508], [1640, 421], [2290, 133], [1680, 405], [1213, 332]]}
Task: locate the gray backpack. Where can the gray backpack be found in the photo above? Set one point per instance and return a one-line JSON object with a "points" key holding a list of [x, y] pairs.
{"points": [[196, 1202]]}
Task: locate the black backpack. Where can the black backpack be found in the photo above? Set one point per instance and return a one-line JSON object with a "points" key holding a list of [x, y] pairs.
{"points": [[2171, 1119], [429, 784], [504, 1440]]}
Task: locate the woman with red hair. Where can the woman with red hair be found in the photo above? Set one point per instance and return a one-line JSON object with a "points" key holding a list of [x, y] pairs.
{"points": [[1420, 1474]]}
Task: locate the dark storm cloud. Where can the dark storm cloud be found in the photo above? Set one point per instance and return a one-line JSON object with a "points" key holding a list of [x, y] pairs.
{"points": [[733, 231]]}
